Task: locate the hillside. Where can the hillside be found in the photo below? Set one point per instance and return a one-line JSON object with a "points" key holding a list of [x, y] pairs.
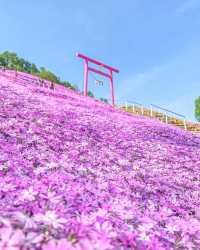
{"points": [[76, 173]]}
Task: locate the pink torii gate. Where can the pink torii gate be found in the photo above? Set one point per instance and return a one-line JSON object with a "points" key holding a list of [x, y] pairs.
{"points": [[87, 68]]}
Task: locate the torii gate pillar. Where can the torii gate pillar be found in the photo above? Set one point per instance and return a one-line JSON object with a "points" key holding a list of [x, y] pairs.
{"points": [[85, 77], [102, 65]]}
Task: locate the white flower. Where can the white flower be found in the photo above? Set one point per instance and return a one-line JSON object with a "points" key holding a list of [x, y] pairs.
{"points": [[171, 228], [51, 165], [30, 131], [144, 237], [123, 162], [105, 228], [5, 222], [27, 221], [82, 169], [34, 238], [6, 187], [10, 239], [52, 197], [50, 218], [28, 194], [39, 170], [145, 227], [86, 219], [3, 167], [83, 144], [136, 167]]}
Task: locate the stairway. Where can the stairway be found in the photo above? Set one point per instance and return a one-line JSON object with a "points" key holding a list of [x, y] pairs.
{"points": [[181, 123]]}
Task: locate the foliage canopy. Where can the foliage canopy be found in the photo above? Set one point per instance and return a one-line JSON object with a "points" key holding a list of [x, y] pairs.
{"points": [[197, 109]]}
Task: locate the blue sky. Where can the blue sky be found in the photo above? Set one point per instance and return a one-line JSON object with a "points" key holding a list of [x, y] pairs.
{"points": [[155, 44]]}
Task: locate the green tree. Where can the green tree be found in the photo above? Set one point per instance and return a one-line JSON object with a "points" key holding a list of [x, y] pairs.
{"points": [[197, 109], [48, 75], [90, 93], [34, 69], [67, 84], [104, 100], [12, 61], [2, 61], [10, 58], [74, 87]]}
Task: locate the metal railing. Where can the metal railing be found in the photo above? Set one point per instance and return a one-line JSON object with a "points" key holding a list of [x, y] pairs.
{"points": [[152, 109], [134, 104], [169, 113], [167, 110]]}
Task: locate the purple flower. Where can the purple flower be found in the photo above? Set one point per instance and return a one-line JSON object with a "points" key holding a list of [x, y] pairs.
{"points": [[58, 245], [11, 240], [78, 174]]}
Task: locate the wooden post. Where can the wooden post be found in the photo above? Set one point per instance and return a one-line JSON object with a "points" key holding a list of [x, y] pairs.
{"points": [[184, 123], [112, 88], [133, 108], [126, 105], [166, 118], [142, 110], [151, 111]]}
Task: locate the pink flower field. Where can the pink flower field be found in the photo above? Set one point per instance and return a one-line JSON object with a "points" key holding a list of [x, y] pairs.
{"points": [[77, 174]]}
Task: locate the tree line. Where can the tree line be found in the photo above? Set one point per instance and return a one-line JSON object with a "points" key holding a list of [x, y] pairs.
{"points": [[197, 109], [12, 61]]}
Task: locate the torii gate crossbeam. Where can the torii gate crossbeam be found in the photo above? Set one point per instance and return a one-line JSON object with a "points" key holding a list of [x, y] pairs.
{"points": [[108, 75]]}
